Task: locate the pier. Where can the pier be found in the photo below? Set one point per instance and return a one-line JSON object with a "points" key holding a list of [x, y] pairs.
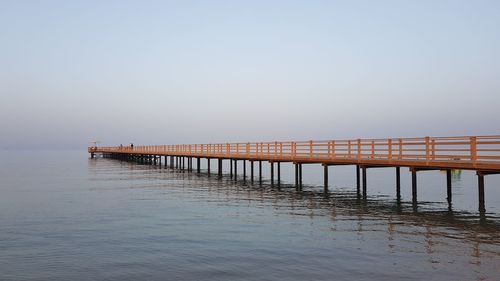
{"points": [[478, 153]]}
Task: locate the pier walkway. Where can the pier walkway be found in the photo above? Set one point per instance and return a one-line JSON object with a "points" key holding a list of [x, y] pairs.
{"points": [[479, 153]]}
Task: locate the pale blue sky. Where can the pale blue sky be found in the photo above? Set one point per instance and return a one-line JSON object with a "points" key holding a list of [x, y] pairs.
{"points": [[155, 72]]}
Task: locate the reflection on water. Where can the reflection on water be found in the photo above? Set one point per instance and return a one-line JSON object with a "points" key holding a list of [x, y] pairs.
{"points": [[426, 222], [69, 218]]}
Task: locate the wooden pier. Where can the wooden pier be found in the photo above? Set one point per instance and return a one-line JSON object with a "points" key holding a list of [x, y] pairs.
{"points": [[479, 153]]}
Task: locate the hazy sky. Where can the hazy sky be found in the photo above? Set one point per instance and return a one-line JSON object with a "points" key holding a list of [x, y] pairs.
{"points": [[158, 72]]}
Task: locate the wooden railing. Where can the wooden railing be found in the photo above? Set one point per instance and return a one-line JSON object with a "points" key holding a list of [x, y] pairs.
{"points": [[469, 150]]}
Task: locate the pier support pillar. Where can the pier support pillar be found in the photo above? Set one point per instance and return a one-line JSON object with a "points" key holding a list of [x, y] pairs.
{"points": [[480, 186], [279, 173], [414, 185], [448, 186], [198, 166], [251, 171], [296, 175], [231, 168], [235, 169], [325, 178], [219, 168], [272, 173], [208, 166], [358, 181], [300, 175], [244, 170], [260, 171], [398, 183], [363, 168]]}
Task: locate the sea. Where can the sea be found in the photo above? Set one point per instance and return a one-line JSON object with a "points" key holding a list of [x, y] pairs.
{"points": [[65, 216]]}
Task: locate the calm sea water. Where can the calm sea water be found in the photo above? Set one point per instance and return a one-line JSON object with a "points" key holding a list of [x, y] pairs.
{"points": [[64, 216]]}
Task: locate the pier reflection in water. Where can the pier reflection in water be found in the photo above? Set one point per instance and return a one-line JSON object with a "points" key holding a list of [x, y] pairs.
{"points": [[434, 229], [63, 218]]}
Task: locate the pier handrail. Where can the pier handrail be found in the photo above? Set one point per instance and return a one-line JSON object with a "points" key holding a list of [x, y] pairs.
{"points": [[470, 152]]}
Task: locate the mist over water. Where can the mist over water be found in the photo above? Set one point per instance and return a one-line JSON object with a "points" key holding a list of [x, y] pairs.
{"points": [[64, 216]]}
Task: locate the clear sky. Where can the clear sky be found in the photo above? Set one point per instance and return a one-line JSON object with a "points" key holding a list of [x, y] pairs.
{"points": [[159, 72]]}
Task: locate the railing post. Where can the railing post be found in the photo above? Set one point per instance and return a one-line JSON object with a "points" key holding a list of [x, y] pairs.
{"points": [[349, 148], [473, 150], [329, 151], [389, 147], [433, 146], [373, 149], [359, 149], [275, 149], [333, 149], [400, 141], [310, 149], [294, 150], [427, 150]]}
